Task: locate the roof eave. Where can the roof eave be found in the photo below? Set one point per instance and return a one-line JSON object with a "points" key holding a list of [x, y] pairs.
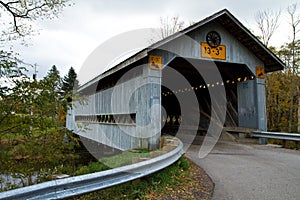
{"points": [[136, 57]]}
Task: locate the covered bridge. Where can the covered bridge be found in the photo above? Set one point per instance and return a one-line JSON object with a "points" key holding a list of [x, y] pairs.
{"points": [[209, 74]]}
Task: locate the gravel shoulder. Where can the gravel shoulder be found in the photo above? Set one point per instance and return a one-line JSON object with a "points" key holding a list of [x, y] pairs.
{"points": [[198, 185]]}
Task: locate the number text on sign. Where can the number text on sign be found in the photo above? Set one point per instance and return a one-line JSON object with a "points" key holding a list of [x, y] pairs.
{"points": [[218, 52]]}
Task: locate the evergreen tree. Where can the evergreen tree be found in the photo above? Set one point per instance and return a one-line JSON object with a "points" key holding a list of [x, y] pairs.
{"points": [[70, 81], [53, 78], [69, 84]]}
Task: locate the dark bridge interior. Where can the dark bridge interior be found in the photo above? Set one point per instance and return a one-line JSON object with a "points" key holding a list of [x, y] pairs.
{"points": [[174, 90]]}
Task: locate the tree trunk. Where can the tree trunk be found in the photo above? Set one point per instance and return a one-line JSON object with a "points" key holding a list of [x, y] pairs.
{"points": [[298, 111]]}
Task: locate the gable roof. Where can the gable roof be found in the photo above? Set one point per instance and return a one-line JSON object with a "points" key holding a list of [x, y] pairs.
{"points": [[230, 23], [240, 32]]}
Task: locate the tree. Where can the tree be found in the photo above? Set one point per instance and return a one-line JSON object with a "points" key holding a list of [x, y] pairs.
{"points": [[51, 87], [53, 73], [281, 86], [294, 22], [280, 97], [26, 100], [54, 79], [278, 104], [169, 26], [69, 83], [16, 16], [33, 135], [68, 91], [20, 12], [267, 22]]}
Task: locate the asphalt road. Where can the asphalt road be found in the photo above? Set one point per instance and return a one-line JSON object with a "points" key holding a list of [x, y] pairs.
{"points": [[247, 171]]}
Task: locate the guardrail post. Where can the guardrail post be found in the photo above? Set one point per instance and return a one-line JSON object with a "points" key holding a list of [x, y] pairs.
{"points": [[284, 143], [262, 140]]}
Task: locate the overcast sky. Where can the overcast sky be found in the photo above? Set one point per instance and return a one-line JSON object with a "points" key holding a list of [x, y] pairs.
{"points": [[68, 40]]}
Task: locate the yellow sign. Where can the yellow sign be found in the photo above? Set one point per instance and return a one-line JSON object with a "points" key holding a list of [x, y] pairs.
{"points": [[260, 72], [214, 53], [155, 62]]}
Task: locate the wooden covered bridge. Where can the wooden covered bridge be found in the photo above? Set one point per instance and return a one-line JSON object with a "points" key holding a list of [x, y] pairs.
{"points": [[215, 67]]}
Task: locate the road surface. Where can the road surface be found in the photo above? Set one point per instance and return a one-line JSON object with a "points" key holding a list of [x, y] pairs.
{"points": [[248, 171]]}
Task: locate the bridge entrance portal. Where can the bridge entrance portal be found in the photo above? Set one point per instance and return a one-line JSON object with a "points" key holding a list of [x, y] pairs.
{"points": [[231, 75]]}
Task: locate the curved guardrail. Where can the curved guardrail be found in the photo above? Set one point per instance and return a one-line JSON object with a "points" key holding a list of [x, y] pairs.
{"points": [[73, 186]]}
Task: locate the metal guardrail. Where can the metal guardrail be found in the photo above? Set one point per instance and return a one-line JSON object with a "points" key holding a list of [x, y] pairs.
{"points": [[276, 135], [73, 186]]}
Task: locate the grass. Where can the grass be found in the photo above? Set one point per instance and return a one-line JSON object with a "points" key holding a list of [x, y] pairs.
{"points": [[164, 181], [125, 158], [91, 168], [287, 144]]}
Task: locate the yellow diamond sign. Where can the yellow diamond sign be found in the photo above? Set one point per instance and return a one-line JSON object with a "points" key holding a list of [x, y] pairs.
{"points": [[155, 62]]}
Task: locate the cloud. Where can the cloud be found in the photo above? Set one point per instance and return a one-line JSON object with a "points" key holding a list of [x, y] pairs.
{"points": [[68, 40]]}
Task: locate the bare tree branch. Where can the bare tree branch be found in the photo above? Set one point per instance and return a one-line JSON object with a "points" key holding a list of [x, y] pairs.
{"points": [[170, 26], [21, 10], [267, 22]]}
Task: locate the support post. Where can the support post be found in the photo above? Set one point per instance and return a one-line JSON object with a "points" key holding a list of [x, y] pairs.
{"points": [[261, 108]]}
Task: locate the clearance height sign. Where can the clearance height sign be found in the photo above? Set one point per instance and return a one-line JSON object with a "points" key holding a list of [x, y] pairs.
{"points": [[218, 52]]}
